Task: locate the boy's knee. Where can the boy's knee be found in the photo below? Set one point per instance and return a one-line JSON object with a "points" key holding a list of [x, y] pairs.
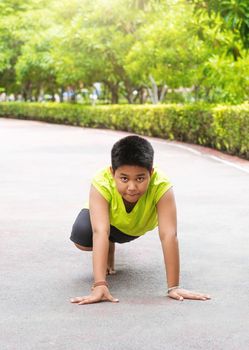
{"points": [[81, 247]]}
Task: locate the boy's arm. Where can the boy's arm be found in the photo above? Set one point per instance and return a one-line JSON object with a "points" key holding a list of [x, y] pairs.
{"points": [[99, 215], [167, 224]]}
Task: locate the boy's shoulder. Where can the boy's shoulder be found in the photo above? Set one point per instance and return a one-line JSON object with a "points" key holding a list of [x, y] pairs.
{"points": [[103, 182], [159, 176], [103, 174], [103, 177]]}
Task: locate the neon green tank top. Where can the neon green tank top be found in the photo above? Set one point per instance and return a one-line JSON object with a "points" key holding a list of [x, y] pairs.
{"points": [[143, 216]]}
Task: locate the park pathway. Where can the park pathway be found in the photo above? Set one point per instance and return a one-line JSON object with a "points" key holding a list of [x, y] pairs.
{"points": [[45, 173]]}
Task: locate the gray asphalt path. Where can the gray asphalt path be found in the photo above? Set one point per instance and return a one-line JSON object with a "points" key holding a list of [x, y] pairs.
{"points": [[45, 173]]}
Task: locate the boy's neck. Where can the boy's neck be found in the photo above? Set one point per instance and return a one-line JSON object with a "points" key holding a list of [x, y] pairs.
{"points": [[128, 205]]}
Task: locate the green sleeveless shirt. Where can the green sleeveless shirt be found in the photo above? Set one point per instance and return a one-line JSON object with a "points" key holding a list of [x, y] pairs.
{"points": [[143, 216]]}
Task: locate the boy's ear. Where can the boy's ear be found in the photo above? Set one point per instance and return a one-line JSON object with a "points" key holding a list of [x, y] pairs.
{"points": [[152, 171]]}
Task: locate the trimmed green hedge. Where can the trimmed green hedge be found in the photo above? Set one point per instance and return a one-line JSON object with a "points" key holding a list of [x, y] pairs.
{"points": [[225, 128]]}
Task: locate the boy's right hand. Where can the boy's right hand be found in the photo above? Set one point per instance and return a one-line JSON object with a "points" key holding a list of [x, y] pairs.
{"points": [[100, 293]]}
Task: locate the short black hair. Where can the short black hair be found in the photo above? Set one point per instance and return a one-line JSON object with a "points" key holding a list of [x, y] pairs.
{"points": [[132, 150]]}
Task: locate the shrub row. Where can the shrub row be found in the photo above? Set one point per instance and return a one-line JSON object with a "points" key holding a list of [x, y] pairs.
{"points": [[225, 128]]}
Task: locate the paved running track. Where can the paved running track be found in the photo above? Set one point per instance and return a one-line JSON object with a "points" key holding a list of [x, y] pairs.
{"points": [[45, 173]]}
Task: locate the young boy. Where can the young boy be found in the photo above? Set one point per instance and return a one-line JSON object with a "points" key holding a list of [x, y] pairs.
{"points": [[127, 200]]}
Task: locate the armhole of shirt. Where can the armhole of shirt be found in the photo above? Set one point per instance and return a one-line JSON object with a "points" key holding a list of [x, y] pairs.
{"points": [[104, 192], [163, 192]]}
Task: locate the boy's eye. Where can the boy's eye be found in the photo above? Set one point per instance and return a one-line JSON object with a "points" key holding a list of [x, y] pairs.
{"points": [[140, 179], [124, 179]]}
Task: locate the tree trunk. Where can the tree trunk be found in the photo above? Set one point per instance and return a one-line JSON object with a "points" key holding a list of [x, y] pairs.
{"points": [[130, 98], [73, 96], [129, 92], [157, 95], [27, 92], [163, 93], [36, 94], [207, 92], [114, 93], [142, 95], [24, 95], [61, 94], [153, 91]]}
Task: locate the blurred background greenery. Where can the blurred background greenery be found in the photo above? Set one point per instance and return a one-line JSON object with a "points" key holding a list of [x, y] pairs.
{"points": [[124, 51]]}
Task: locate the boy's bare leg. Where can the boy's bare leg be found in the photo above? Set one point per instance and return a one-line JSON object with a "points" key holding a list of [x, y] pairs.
{"points": [[110, 261]]}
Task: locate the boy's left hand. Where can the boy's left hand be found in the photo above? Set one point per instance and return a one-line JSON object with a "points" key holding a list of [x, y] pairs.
{"points": [[181, 294]]}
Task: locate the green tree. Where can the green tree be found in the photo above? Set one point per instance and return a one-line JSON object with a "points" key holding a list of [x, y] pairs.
{"points": [[35, 67], [168, 54], [224, 71], [18, 21], [130, 46], [93, 47], [234, 14]]}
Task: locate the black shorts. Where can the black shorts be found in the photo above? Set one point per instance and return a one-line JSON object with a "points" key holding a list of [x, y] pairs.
{"points": [[82, 231]]}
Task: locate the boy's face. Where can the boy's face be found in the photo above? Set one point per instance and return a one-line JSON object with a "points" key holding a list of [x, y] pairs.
{"points": [[131, 181]]}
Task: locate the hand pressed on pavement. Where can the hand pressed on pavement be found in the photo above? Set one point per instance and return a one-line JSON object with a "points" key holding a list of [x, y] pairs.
{"points": [[100, 293], [181, 294]]}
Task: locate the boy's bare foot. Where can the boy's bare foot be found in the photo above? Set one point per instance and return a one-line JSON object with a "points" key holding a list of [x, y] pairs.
{"points": [[110, 271], [110, 262]]}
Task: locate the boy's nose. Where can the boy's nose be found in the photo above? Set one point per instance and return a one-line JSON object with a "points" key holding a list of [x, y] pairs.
{"points": [[131, 186]]}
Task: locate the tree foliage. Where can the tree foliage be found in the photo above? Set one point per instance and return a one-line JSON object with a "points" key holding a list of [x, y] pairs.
{"points": [[234, 13], [139, 50]]}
